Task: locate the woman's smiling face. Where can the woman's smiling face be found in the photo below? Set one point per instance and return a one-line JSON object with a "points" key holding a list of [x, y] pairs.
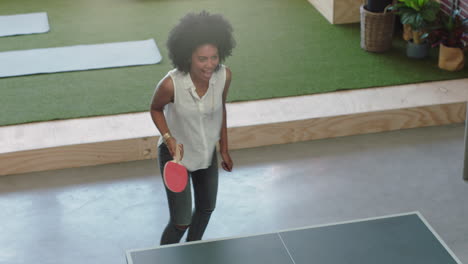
{"points": [[205, 60]]}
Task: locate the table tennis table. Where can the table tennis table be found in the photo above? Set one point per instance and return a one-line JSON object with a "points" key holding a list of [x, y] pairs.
{"points": [[404, 239]]}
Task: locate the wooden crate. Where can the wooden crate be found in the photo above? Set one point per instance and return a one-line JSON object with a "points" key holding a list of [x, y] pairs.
{"points": [[339, 11]]}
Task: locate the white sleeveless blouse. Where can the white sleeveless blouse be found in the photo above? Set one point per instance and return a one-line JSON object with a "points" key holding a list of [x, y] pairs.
{"points": [[193, 121]]}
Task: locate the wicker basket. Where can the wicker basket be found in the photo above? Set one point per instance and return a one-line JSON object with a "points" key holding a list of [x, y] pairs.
{"points": [[376, 30]]}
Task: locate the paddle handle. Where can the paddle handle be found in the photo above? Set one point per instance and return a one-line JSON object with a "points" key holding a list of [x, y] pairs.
{"points": [[177, 154]]}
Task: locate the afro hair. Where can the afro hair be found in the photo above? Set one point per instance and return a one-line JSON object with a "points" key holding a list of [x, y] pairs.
{"points": [[194, 30]]}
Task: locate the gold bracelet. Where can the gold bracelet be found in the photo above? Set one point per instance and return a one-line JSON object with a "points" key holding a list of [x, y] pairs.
{"points": [[166, 137]]}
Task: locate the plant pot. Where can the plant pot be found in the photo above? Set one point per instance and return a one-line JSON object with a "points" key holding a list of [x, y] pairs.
{"points": [[417, 51], [407, 32], [376, 30], [451, 59]]}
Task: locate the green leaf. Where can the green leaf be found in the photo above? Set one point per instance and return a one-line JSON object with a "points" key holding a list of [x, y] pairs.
{"points": [[414, 6], [429, 15], [421, 3]]}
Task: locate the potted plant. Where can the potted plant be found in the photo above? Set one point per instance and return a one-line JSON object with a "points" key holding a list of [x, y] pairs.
{"points": [[452, 37], [376, 28], [418, 14]]}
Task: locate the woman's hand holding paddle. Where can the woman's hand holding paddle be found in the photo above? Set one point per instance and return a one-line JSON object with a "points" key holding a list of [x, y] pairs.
{"points": [[171, 144], [175, 174]]}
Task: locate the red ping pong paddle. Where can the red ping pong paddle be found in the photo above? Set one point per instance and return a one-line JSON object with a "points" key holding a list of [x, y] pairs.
{"points": [[175, 174]]}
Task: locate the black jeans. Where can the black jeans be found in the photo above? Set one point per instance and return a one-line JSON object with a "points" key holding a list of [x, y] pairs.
{"points": [[205, 186]]}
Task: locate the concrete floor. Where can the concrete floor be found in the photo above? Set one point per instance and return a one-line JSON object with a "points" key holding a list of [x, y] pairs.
{"points": [[94, 214]]}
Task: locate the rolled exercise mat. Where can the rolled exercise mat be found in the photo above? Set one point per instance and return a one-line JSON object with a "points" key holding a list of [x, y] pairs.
{"points": [[78, 58], [23, 24]]}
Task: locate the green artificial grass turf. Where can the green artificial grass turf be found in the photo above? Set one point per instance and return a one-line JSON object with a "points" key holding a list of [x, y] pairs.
{"points": [[285, 48]]}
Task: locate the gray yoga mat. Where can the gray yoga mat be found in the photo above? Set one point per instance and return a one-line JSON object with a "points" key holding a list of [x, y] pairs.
{"points": [[22, 24], [78, 58]]}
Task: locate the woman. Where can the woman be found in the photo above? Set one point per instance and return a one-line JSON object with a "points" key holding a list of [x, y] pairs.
{"points": [[188, 108]]}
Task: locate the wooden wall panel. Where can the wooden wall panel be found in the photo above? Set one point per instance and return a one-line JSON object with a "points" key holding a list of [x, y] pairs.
{"points": [[78, 155], [346, 11], [339, 11], [329, 127], [325, 7], [239, 137]]}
